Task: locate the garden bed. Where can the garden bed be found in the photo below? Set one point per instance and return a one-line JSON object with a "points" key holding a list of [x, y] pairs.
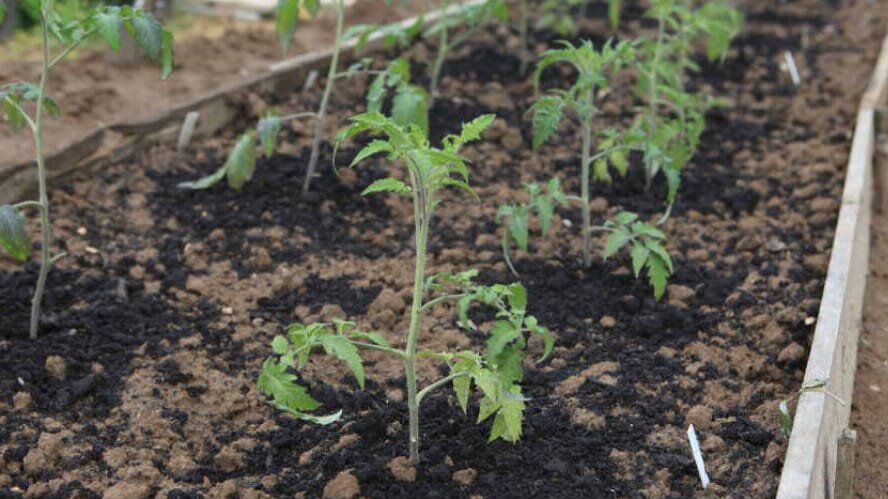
{"points": [[143, 380]]}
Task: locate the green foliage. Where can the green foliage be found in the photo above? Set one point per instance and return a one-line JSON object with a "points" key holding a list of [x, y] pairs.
{"points": [[498, 372], [14, 95], [287, 18], [674, 118], [646, 248], [517, 217], [435, 167], [409, 102], [593, 67], [238, 168], [559, 15], [13, 236]]}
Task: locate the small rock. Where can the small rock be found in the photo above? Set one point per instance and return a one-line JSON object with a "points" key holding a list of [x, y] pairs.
{"points": [[700, 416], [229, 459], [21, 400], [598, 205], [824, 205], [343, 486], [126, 490], [56, 366], [607, 322], [679, 293], [791, 354], [217, 234], [465, 477], [261, 259], [331, 311], [402, 469]]}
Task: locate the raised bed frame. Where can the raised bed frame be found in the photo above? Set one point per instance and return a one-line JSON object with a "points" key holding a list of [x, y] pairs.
{"points": [[819, 462], [819, 459]]}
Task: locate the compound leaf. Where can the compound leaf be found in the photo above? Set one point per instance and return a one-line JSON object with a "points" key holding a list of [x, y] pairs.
{"points": [[343, 349], [13, 235], [386, 185]]}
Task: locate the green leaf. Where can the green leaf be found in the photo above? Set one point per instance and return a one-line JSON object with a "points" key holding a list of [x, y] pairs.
{"points": [[518, 228], [346, 351], [207, 181], [599, 171], [13, 235], [312, 6], [241, 162], [148, 34], [616, 240], [661, 252], [375, 93], [620, 162], [474, 129], [625, 218], [410, 107], [280, 345], [269, 127], [547, 112], [166, 54], [657, 275], [13, 115], [108, 23], [639, 255], [386, 185], [462, 386], [785, 418], [648, 230], [286, 17], [278, 384], [517, 297], [2, 12], [374, 147], [502, 334]]}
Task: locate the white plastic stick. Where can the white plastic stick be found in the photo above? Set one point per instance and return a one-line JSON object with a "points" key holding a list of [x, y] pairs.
{"points": [[793, 69], [187, 129], [698, 456]]}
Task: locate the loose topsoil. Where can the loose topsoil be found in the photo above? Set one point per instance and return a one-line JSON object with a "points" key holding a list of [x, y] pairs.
{"points": [[142, 383]]}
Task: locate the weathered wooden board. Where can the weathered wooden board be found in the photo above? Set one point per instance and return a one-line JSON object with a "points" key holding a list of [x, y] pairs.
{"points": [[811, 468]]}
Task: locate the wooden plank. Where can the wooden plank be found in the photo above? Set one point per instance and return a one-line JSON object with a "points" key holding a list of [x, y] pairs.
{"points": [[876, 94], [810, 466]]}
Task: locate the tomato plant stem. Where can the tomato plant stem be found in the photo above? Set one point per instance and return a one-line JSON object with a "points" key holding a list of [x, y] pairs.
{"points": [[421, 221], [328, 89], [439, 63], [584, 181], [653, 101], [43, 200]]}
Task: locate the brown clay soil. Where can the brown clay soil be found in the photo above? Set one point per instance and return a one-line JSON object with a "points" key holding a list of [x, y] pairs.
{"points": [[142, 383], [93, 91], [871, 382]]}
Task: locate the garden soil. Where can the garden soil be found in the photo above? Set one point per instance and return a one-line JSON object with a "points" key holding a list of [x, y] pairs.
{"points": [[142, 383]]}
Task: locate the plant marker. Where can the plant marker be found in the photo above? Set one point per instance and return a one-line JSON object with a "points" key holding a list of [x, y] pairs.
{"points": [[793, 69], [698, 456], [187, 130]]}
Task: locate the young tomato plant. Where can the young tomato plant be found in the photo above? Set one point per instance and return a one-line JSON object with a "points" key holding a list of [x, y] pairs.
{"points": [[673, 119], [26, 104], [592, 66], [470, 18], [409, 102], [497, 373], [645, 243]]}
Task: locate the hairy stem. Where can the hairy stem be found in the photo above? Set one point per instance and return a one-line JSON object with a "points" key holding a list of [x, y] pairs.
{"points": [[328, 89], [653, 100], [43, 199], [421, 217], [584, 192], [438, 384]]}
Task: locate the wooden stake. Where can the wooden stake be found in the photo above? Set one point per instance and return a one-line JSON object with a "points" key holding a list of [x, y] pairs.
{"points": [[845, 464]]}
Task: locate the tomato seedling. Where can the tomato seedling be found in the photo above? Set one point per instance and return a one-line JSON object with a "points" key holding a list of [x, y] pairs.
{"points": [[496, 374], [26, 104]]}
